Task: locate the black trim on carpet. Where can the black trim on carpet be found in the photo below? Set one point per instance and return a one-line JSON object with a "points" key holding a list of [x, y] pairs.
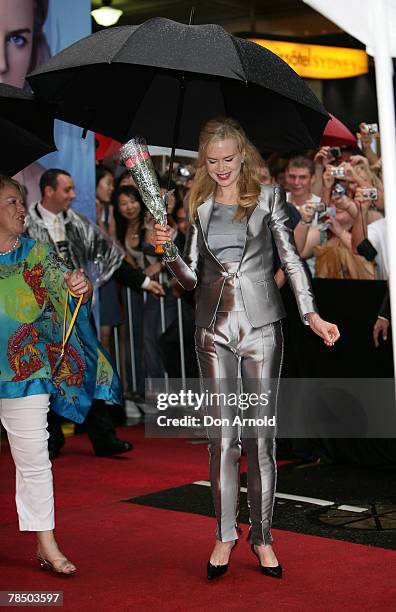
{"points": [[371, 489]]}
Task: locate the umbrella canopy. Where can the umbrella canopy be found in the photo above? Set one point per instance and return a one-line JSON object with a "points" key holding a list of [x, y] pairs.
{"points": [[336, 134], [162, 77], [26, 128]]}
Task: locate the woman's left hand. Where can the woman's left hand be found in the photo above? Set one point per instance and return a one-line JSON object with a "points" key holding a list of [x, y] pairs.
{"points": [[328, 331], [78, 283]]}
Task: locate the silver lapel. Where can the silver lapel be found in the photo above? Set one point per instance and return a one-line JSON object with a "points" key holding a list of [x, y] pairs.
{"points": [[204, 213], [246, 234]]}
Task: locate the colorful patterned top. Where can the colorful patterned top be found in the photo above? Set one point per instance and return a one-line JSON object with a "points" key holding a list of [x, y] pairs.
{"points": [[32, 299]]}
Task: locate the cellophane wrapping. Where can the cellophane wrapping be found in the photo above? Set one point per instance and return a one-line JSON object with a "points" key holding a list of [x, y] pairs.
{"points": [[136, 158]]}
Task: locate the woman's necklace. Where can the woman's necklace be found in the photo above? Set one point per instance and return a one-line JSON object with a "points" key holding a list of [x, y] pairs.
{"points": [[11, 249], [130, 233]]}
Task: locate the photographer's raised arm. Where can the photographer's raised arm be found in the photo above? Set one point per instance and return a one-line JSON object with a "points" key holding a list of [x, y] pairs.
{"points": [[359, 228]]}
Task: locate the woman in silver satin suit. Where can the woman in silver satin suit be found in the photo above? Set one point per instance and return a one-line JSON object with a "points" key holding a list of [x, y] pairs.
{"points": [[229, 259]]}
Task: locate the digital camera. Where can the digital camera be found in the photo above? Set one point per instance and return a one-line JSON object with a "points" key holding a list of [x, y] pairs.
{"points": [[338, 172], [370, 128], [335, 151], [339, 190], [320, 207], [330, 211], [370, 193]]}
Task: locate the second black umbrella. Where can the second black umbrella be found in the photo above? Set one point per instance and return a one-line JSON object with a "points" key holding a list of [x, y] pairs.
{"points": [[26, 128]]}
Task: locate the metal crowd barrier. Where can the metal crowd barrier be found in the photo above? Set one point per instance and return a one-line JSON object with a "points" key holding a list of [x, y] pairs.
{"points": [[132, 355]]}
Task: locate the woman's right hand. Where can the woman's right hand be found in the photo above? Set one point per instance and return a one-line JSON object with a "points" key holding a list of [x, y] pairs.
{"points": [[160, 234]]}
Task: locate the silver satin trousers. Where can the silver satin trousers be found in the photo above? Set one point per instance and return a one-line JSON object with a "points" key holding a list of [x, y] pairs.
{"points": [[232, 354]]}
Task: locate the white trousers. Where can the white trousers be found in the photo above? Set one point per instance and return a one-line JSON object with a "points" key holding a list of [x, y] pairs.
{"points": [[25, 420]]}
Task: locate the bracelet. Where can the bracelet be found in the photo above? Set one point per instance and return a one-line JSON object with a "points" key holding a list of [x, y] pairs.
{"points": [[171, 252]]}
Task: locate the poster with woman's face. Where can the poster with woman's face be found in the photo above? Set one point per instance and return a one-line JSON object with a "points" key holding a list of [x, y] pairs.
{"points": [[30, 32], [16, 40]]}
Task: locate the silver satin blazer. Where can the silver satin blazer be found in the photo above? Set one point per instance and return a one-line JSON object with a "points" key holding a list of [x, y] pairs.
{"points": [[200, 268]]}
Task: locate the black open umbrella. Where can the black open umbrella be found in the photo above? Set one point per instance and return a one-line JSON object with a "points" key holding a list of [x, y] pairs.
{"points": [[164, 79], [26, 129]]}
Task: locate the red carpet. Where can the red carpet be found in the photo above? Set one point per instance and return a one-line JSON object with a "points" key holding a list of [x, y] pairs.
{"points": [[133, 557]]}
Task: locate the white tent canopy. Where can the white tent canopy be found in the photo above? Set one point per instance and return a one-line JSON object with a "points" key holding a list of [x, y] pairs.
{"points": [[373, 22], [357, 18], [167, 152]]}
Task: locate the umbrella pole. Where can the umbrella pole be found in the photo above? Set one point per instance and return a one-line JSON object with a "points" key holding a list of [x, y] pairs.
{"points": [[180, 102], [176, 130]]}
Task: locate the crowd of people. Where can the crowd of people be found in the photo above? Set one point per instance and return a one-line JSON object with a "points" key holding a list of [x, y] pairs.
{"points": [[335, 200]]}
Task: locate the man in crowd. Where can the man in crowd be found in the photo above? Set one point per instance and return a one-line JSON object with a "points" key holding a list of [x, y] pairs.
{"points": [[82, 245], [299, 178]]}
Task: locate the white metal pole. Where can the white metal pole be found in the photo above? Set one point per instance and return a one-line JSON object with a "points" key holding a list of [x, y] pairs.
{"points": [[117, 350], [181, 341], [131, 339], [386, 112], [163, 325]]}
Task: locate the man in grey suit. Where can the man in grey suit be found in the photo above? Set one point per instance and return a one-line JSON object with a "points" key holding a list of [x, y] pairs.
{"points": [[228, 258]]}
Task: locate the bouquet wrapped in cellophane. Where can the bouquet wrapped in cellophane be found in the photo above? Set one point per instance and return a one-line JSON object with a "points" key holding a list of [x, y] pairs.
{"points": [[136, 158]]}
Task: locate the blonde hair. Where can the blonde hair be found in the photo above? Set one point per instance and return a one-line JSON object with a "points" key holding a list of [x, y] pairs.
{"points": [[10, 182], [249, 178], [370, 174]]}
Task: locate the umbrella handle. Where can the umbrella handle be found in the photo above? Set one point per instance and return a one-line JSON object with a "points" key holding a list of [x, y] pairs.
{"points": [[159, 249]]}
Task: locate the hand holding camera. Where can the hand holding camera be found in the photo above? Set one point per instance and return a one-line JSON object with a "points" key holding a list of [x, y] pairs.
{"points": [[348, 173], [307, 212], [358, 159], [364, 196], [369, 128], [367, 131], [342, 202], [332, 224], [323, 156]]}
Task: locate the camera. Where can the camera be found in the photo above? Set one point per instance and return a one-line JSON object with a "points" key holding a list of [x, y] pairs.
{"points": [[329, 211], [338, 172], [370, 193], [184, 172], [320, 207], [339, 190], [370, 128], [335, 152], [323, 217]]}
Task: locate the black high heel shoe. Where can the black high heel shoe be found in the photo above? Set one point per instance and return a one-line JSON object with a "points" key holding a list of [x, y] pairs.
{"points": [[273, 572], [215, 571]]}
